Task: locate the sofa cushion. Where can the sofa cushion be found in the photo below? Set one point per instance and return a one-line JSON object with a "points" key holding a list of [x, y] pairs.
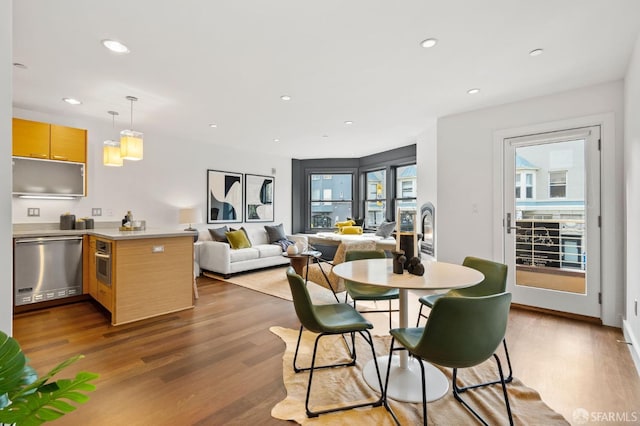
{"points": [[385, 229], [243, 254], [238, 239], [276, 233], [218, 234], [268, 250]]}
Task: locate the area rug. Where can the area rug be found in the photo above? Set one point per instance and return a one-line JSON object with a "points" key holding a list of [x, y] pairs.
{"points": [[347, 385], [273, 281]]}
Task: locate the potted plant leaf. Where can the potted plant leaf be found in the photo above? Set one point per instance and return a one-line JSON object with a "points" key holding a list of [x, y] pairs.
{"points": [[26, 399]]}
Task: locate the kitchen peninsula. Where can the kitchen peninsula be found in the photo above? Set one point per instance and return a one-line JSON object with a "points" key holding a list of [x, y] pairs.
{"points": [[134, 274]]}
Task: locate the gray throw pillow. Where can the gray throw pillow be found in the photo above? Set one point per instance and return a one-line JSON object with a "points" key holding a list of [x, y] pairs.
{"points": [[385, 229], [276, 233], [218, 234]]}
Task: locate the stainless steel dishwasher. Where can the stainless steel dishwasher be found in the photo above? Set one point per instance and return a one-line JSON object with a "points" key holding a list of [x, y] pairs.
{"points": [[46, 268]]}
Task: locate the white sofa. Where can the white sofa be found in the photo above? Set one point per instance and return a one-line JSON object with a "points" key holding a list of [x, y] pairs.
{"points": [[220, 258]]}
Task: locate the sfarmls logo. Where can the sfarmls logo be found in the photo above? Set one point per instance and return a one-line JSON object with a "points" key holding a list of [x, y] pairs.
{"points": [[582, 416]]}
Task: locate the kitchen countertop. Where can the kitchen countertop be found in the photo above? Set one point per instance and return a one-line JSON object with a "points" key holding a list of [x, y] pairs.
{"points": [[108, 233]]}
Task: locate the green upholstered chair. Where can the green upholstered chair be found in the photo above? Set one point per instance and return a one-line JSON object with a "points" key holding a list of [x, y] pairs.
{"points": [[495, 281], [358, 291], [460, 332], [333, 319]]}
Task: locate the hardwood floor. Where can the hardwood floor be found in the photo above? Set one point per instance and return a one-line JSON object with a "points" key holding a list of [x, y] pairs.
{"points": [[219, 364]]}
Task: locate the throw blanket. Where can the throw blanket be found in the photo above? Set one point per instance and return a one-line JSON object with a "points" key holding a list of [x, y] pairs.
{"points": [[284, 243]]}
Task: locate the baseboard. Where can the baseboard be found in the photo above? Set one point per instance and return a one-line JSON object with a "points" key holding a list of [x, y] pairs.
{"points": [[634, 347], [592, 320]]}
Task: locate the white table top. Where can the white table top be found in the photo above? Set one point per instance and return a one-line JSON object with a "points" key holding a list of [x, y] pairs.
{"points": [[437, 275]]}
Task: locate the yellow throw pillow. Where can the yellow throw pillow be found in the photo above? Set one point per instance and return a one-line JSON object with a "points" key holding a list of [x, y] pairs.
{"points": [[345, 223], [351, 230], [238, 239]]}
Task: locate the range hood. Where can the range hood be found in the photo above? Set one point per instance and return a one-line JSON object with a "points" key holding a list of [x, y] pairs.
{"points": [[47, 178]]}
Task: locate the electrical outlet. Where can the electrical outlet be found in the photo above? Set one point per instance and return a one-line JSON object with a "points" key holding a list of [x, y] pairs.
{"points": [[96, 211], [33, 211], [109, 212]]}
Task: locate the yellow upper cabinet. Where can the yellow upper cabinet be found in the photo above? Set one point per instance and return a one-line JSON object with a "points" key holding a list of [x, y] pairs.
{"points": [[30, 139], [68, 144], [49, 141]]}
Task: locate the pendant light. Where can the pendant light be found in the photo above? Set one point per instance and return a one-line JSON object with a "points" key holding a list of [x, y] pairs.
{"points": [[111, 148], [130, 140]]}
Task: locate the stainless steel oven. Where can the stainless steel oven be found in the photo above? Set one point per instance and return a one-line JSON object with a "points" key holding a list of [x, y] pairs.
{"points": [[103, 262]]}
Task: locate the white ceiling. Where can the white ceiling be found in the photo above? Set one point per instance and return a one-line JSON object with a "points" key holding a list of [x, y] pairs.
{"points": [[228, 62]]}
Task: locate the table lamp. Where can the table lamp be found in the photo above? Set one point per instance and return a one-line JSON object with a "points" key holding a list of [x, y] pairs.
{"points": [[190, 216]]}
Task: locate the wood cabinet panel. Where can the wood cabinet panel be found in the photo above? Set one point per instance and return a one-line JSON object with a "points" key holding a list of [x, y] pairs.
{"points": [[49, 141], [30, 138], [153, 276], [68, 144], [91, 266]]}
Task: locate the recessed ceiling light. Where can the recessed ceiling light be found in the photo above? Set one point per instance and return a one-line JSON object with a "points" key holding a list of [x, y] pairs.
{"points": [[285, 97], [19, 65], [115, 46], [72, 101], [473, 91], [348, 123], [276, 140], [430, 42], [213, 125], [536, 52]]}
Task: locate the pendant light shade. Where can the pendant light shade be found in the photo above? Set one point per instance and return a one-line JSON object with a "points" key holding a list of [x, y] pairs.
{"points": [[111, 154], [111, 149], [131, 143]]}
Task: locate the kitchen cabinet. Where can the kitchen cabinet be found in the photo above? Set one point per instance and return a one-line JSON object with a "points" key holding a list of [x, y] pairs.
{"points": [[49, 141], [92, 280]]}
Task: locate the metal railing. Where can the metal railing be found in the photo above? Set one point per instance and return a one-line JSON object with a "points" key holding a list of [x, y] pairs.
{"points": [[551, 243]]}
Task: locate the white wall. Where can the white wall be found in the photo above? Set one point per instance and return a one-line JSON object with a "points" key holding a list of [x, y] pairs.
{"points": [[171, 175], [632, 201], [468, 220], [427, 162], [6, 261]]}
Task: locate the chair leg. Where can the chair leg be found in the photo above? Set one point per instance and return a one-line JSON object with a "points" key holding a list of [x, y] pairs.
{"points": [[377, 403], [352, 355], [420, 315], [456, 393], [507, 379], [386, 385]]}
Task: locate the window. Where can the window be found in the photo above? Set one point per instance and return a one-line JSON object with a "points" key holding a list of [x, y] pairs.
{"points": [[375, 198], [406, 187], [558, 184], [525, 185], [331, 199]]}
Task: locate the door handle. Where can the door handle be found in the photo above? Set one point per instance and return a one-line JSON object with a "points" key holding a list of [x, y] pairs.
{"points": [[509, 227]]}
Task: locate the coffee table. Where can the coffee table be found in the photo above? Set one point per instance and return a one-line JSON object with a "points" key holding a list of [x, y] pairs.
{"points": [[302, 259], [405, 383]]}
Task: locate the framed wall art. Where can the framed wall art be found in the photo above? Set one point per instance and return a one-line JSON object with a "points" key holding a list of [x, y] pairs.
{"points": [[259, 198], [224, 197]]}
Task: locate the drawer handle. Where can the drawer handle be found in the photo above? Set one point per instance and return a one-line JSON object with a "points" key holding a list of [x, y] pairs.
{"points": [[60, 157], [38, 155]]}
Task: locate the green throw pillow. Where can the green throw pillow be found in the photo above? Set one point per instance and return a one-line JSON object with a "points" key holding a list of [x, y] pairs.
{"points": [[238, 239]]}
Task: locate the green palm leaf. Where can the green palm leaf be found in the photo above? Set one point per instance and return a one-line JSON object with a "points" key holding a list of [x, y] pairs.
{"points": [[27, 400]]}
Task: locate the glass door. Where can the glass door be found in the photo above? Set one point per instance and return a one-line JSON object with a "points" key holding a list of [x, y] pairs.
{"points": [[552, 213]]}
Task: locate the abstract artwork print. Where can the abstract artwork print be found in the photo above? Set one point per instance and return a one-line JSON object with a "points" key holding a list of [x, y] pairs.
{"points": [[259, 198], [224, 197]]}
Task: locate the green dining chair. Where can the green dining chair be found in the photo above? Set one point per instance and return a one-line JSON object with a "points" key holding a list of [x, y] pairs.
{"points": [[495, 281], [460, 332], [325, 320], [358, 291]]}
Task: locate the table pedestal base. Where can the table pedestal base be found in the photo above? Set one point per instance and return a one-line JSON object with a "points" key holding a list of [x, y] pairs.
{"points": [[404, 383]]}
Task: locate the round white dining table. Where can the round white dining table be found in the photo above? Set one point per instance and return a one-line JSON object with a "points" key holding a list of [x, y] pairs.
{"points": [[405, 383]]}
